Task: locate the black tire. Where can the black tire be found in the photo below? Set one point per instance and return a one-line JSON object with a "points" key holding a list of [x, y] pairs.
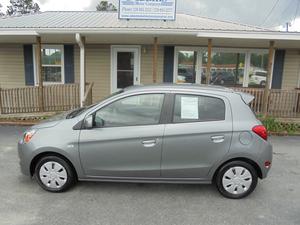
{"points": [[70, 174], [263, 83], [227, 167]]}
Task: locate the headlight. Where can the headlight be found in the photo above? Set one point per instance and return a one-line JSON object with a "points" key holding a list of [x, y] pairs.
{"points": [[28, 135]]}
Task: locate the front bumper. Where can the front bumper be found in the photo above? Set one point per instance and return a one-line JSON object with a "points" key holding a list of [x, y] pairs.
{"points": [[24, 159]]}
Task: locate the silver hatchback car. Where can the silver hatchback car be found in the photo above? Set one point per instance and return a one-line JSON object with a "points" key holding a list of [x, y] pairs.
{"points": [[159, 133]]}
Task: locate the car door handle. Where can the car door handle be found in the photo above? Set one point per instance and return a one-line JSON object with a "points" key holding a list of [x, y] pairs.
{"points": [[149, 143], [217, 139]]}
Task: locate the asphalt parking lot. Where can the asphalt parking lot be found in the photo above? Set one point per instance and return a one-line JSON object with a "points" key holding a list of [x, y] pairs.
{"points": [[276, 199]]}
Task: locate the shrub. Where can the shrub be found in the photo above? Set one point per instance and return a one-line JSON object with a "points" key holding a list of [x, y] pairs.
{"points": [[273, 125]]}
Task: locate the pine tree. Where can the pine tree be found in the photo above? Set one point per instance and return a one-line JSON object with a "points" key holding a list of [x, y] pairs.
{"points": [[20, 7], [106, 6], [1, 13]]}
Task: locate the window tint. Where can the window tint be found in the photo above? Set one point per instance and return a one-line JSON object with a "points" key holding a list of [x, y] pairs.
{"points": [[189, 108], [134, 110]]}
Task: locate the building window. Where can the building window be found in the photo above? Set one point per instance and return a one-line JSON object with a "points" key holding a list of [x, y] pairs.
{"points": [[186, 70], [258, 70], [227, 69], [230, 67], [52, 65]]}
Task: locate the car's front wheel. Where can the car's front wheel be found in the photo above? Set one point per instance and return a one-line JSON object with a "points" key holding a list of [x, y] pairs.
{"points": [[54, 174], [236, 179], [263, 83]]}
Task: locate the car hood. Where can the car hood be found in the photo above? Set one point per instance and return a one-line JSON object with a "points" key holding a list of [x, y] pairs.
{"points": [[46, 124], [52, 121]]}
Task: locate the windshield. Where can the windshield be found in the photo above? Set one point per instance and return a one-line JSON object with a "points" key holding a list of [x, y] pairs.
{"points": [[79, 111]]}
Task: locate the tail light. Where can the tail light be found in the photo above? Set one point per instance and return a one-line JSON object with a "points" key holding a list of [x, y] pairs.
{"points": [[261, 131]]}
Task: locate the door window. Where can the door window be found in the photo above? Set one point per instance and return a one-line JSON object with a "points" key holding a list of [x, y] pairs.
{"points": [[190, 108], [125, 69], [134, 110]]}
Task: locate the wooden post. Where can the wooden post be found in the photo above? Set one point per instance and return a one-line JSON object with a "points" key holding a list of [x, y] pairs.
{"points": [[268, 79], [155, 46], [208, 66], [38, 62]]}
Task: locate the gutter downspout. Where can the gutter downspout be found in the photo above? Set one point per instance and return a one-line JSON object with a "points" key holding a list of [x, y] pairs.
{"points": [[298, 84], [81, 41]]}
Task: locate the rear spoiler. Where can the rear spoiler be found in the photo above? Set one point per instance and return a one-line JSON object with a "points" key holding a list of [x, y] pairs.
{"points": [[247, 98]]}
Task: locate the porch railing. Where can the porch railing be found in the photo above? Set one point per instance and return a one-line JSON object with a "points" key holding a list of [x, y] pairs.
{"points": [[88, 96], [281, 103], [26, 100]]}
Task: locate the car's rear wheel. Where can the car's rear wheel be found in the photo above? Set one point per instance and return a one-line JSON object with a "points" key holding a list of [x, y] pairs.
{"points": [[54, 174], [236, 179]]}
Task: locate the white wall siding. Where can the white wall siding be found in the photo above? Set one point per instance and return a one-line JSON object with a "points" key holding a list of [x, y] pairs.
{"points": [[12, 72], [291, 69], [98, 68]]}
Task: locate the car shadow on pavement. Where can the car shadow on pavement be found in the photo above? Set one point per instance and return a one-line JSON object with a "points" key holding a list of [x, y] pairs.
{"points": [[145, 188]]}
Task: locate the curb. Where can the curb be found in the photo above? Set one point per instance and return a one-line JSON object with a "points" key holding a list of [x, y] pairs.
{"points": [[18, 123], [283, 134]]}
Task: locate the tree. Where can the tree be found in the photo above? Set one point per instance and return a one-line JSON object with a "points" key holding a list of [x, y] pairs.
{"points": [[1, 13], [106, 6], [20, 7]]}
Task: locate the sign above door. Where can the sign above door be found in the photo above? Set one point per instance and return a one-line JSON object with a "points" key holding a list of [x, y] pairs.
{"points": [[147, 9]]}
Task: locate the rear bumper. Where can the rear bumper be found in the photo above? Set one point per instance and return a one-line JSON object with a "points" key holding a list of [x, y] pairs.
{"points": [[266, 156]]}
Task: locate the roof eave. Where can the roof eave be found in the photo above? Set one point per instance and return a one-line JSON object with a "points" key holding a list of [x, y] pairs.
{"points": [[261, 35], [17, 32], [231, 34], [41, 31]]}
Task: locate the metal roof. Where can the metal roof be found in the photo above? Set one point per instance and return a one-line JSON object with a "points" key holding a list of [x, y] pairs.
{"points": [[109, 20]]}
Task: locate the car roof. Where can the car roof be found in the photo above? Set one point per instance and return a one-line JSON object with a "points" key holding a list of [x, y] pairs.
{"points": [[178, 87]]}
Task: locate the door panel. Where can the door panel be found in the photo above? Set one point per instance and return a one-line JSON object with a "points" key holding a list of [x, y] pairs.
{"points": [[122, 151], [126, 140], [190, 149]]}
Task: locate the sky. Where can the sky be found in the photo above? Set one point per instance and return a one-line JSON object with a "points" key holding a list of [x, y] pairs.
{"points": [[267, 13]]}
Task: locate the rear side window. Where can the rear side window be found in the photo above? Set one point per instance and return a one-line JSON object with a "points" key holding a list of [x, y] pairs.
{"points": [[197, 108]]}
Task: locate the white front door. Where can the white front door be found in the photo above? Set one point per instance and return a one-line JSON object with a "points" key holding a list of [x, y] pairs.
{"points": [[125, 67]]}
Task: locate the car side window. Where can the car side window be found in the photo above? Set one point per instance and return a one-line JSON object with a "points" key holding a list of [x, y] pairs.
{"points": [[197, 108], [142, 109]]}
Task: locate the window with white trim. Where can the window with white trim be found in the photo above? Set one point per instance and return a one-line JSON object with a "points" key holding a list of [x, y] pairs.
{"points": [[52, 64], [231, 67]]}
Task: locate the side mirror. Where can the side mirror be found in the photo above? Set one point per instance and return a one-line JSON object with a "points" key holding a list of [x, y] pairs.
{"points": [[88, 122]]}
